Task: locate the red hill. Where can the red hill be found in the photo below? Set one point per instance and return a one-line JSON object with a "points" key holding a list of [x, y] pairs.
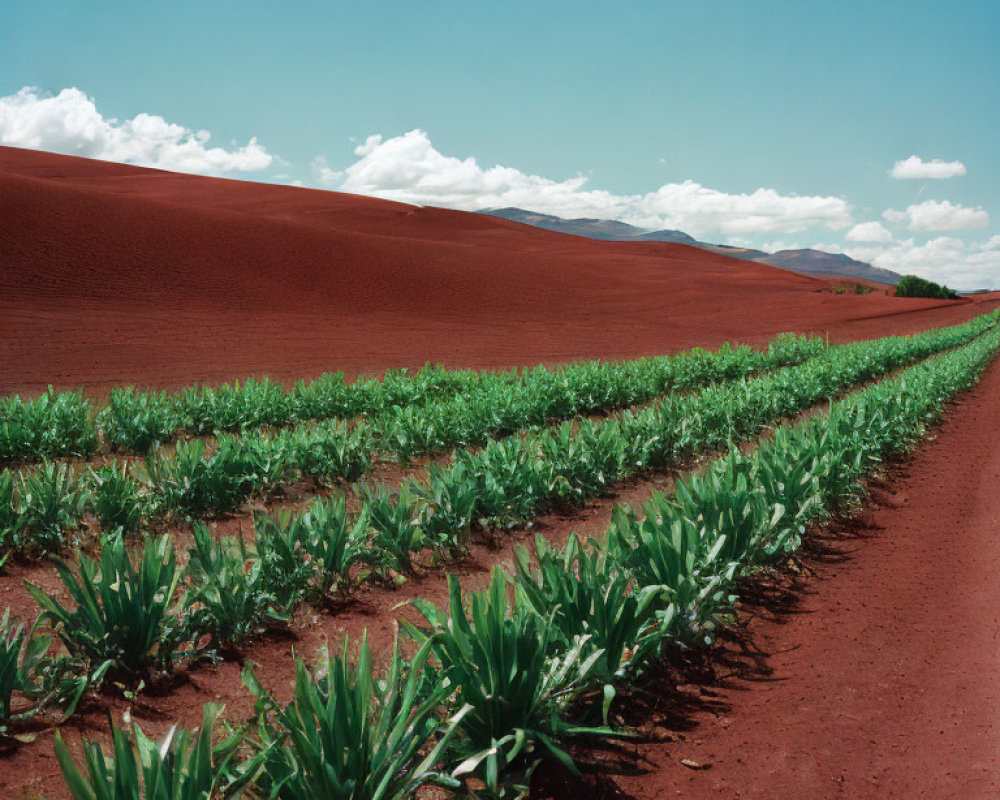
{"points": [[115, 274]]}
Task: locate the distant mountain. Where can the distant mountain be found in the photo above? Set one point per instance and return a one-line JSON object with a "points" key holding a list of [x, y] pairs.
{"points": [[806, 262], [818, 262], [604, 229], [744, 253]]}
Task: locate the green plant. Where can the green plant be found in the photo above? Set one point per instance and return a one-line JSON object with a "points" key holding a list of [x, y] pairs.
{"points": [[394, 517], [10, 520], [137, 421], [116, 498], [517, 691], [184, 766], [121, 620], [314, 550], [449, 508], [331, 450], [661, 550], [591, 598], [912, 286], [349, 736], [50, 425], [197, 481], [31, 680], [52, 501], [227, 596], [12, 641], [233, 407]]}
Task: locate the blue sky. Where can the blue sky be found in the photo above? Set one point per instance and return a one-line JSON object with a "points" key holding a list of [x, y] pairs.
{"points": [[760, 123]]}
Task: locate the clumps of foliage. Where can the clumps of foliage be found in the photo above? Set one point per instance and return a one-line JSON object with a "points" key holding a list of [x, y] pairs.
{"points": [[852, 288], [912, 286], [50, 425]]}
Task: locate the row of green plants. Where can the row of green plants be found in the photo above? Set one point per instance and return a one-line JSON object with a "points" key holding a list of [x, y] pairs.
{"points": [[500, 680], [503, 484], [408, 411], [320, 554], [53, 424], [42, 510]]}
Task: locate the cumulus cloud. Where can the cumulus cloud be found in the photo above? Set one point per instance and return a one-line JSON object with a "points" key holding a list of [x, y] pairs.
{"points": [[409, 169], [70, 123], [323, 173], [869, 232], [934, 215], [915, 168], [946, 259]]}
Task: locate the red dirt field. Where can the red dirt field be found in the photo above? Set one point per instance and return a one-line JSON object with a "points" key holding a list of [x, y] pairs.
{"points": [[113, 274], [872, 676]]}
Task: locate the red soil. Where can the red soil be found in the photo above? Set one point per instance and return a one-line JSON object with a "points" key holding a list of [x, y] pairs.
{"points": [[115, 274]]}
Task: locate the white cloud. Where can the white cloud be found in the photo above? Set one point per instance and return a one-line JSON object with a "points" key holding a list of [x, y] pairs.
{"points": [[934, 215], [946, 259], [869, 232], [915, 168], [70, 123], [778, 245], [409, 169], [323, 173]]}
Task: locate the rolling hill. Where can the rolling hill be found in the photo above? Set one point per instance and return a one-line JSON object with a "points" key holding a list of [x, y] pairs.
{"points": [[113, 274]]}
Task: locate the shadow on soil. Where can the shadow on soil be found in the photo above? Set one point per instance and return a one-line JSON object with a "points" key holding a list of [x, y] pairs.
{"points": [[666, 706]]}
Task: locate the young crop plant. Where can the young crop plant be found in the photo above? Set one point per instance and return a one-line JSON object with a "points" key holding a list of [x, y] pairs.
{"points": [[330, 451], [32, 680], [394, 517], [233, 407], [116, 498], [348, 735], [313, 552], [449, 508], [184, 766], [660, 550], [197, 481], [509, 480], [121, 621], [10, 520], [51, 502], [516, 690], [592, 599], [329, 397], [13, 641], [587, 459], [228, 597], [50, 425], [136, 421]]}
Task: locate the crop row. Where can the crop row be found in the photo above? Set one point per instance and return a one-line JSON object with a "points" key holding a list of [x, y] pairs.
{"points": [[503, 679], [503, 484], [324, 551], [432, 409]]}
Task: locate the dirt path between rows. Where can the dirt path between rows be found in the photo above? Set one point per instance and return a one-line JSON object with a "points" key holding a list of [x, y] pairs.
{"points": [[876, 676]]}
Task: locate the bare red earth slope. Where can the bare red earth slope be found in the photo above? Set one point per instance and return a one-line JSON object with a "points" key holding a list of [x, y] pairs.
{"points": [[115, 274]]}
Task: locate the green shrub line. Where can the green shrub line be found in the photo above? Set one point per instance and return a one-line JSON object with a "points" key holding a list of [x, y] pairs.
{"points": [[912, 286], [432, 409], [505, 678], [505, 483]]}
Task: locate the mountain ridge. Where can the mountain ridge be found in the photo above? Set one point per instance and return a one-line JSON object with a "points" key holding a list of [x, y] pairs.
{"points": [[804, 261]]}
